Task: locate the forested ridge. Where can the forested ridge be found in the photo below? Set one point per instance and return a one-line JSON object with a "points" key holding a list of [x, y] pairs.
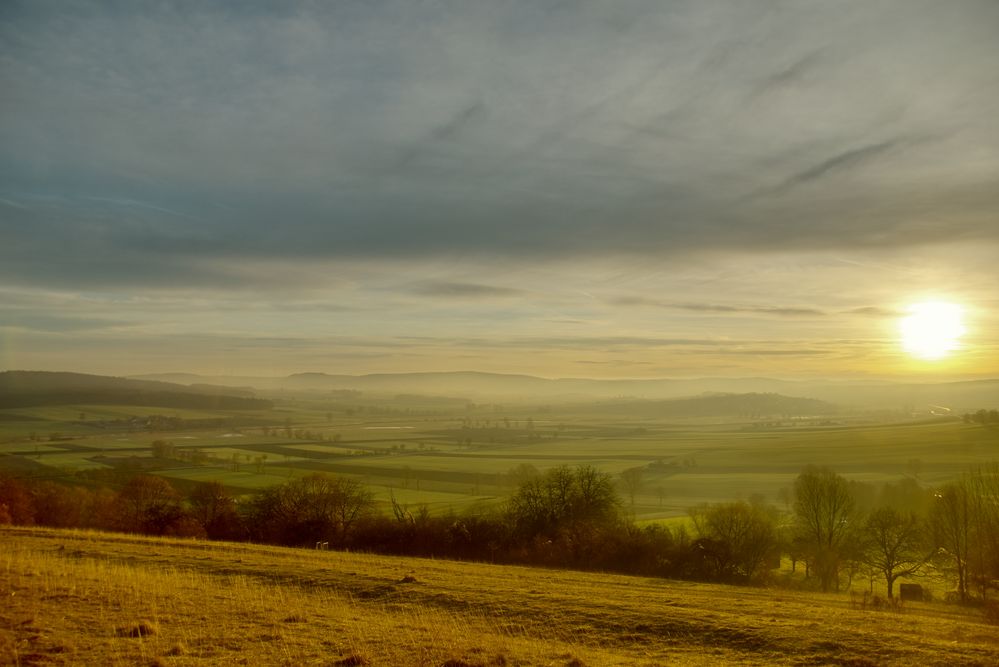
{"points": [[19, 389]]}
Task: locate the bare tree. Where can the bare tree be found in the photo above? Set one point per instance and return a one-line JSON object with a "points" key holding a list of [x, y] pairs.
{"points": [[824, 511], [148, 504], [60, 505], [951, 522], [522, 473], [594, 498], [563, 498], [967, 525], [747, 533], [313, 508], [632, 479], [215, 509], [15, 502], [894, 545], [984, 483]]}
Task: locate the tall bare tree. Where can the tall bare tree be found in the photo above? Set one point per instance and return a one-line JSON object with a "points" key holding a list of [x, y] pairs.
{"points": [[824, 512], [951, 520], [965, 520], [984, 483]]}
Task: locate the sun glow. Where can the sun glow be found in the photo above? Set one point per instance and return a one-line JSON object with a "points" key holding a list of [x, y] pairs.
{"points": [[932, 329]]}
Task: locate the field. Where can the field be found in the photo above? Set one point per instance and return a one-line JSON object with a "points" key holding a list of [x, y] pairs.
{"points": [[83, 598], [456, 458]]}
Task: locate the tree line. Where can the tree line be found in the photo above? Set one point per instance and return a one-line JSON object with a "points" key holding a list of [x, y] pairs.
{"points": [[981, 417], [573, 517]]}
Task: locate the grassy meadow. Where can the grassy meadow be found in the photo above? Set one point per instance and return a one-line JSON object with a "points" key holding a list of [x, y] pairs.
{"points": [[86, 598], [455, 457]]}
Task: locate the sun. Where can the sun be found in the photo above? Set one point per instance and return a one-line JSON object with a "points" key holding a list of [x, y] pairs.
{"points": [[932, 329]]}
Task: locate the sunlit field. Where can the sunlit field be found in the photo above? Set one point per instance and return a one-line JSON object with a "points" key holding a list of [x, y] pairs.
{"points": [[84, 598]]}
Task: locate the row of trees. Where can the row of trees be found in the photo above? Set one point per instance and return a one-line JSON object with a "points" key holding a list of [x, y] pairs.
{"points": [[144, 504], [955, 530], [573, 518], [981, 417]]}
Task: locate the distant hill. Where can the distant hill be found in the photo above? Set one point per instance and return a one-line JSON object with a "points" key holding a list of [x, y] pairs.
{"points": [[478, 385], [955, 396], [33, 388]]}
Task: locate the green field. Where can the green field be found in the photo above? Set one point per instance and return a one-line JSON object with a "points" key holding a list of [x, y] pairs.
{"points": [[455, 461]]}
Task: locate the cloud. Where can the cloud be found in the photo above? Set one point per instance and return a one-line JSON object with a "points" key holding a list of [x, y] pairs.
{"points": [[875, 311], [582, 342], [794, 74], [842, 161], [775, 352], [451, 129], [781, 311], [165, 146], [50, 323], [616, 362], [455, 290]]}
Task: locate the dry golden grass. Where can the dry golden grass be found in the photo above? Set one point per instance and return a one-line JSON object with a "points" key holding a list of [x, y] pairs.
{"points": [[80, 598]]}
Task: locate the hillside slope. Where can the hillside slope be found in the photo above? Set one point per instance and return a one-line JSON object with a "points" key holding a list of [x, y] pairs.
{"points": [[20, 389], [89, 598]]}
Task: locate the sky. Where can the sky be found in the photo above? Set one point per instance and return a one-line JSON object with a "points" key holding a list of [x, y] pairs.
{"points": [[563, 189]]}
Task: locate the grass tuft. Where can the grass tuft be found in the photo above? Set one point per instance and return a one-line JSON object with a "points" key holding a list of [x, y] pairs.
{"points": [[176, 650], [498, 660], [352, 660], [139, 630]]}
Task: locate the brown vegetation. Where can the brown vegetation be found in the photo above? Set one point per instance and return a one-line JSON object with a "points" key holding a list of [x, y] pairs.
{"points": [[573, 518]]}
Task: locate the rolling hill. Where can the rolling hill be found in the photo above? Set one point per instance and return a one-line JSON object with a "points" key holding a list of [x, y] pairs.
{"points": [[953, 396], [84, 598], [20, 389]]}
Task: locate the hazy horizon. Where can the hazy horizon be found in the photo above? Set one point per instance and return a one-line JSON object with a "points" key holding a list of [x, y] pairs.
{"points": [[534, 376], [638, 190]]}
